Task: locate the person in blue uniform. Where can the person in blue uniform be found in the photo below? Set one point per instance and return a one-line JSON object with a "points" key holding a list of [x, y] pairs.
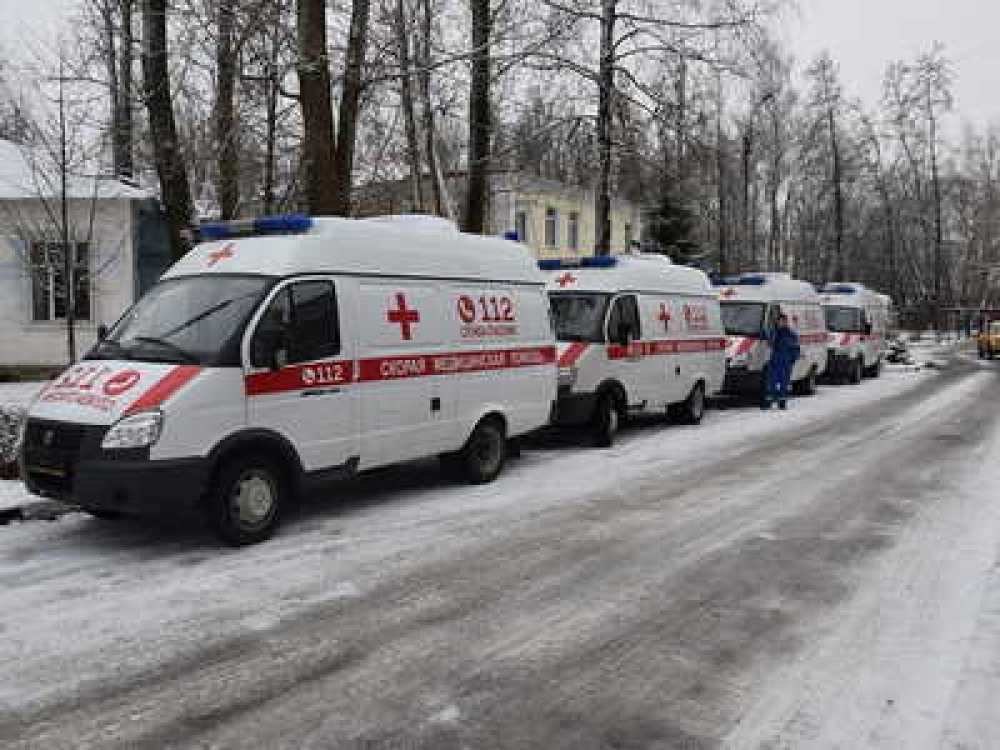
{"points": [[784, 352]]}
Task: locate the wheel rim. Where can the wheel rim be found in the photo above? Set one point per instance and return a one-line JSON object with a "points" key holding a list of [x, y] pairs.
{"points": [[612, 419], [488, 451], [253, 499], [697, 404]]}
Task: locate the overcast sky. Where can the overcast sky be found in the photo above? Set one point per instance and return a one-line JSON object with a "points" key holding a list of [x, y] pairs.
{"points": [[862, 35]]}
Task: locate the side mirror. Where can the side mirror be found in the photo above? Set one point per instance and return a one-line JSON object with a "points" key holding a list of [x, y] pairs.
{"points": [[102, 332]]}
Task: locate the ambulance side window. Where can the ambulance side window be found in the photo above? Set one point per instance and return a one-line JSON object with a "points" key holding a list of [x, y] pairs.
{"points": [[623, 321], [314, 314], [302, 321]]}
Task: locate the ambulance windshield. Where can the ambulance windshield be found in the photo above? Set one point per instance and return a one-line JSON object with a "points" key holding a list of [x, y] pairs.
{"points": [[843, 319], [579, 316], [193, 320], [743, 318]]}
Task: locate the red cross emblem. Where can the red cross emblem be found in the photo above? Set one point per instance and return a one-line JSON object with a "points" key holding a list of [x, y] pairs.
{"points": [[566, 279], [664, 316], [728, 292], [225, 252], [403, 316]]}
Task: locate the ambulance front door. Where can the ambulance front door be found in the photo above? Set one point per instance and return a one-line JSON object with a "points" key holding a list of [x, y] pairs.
{"points": [[299, 374]]}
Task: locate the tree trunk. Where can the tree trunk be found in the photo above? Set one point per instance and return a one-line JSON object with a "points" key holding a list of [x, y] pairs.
{"points": [[474, 219], [350, 103], [406, 99], [428, 109], [720, 160], [838, 201], [111, 61], [227, 156], [271, 117], [317, 110], [605, 85], [175, 192], [936, 187], [123, 130]]}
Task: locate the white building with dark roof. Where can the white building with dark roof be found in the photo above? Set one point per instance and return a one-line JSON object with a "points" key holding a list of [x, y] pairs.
{"points": [[118, 245]]}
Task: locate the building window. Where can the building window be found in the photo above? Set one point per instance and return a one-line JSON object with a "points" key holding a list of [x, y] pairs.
{"points": [[551, 227], [48, 287], [573, 231], [521, 226]]}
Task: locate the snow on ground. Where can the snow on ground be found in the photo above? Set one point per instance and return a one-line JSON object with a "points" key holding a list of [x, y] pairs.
{"points": [[18, 394], [65, 585]]}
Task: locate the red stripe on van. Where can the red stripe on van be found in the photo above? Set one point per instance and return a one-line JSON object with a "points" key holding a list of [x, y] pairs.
{"points": [[341, 372], [745, 346], [300, 377], [573, 353], [420, 365], [666, 346], [164, 388]]}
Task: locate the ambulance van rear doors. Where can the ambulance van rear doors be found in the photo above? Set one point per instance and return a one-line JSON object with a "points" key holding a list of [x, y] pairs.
{"points": [[635, 333], [289, 349]]}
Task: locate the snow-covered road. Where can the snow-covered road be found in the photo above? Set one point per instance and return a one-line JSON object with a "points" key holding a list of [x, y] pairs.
{"points": [[826, 577]]}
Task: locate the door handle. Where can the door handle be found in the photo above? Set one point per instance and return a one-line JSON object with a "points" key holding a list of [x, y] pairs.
{"points": [[320, 392]]}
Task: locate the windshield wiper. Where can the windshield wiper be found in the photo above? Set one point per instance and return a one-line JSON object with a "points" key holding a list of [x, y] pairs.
{"points": [[188, 356], [116, 349]]}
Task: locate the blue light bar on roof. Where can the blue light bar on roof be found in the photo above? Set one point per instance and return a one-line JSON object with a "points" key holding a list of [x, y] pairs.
{"points": [[223, 230], [744, 280], [839, 289], [593, 261]]}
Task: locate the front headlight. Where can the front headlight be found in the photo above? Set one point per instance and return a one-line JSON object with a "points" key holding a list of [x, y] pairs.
{"points": [[567, 376], [137, 431]]}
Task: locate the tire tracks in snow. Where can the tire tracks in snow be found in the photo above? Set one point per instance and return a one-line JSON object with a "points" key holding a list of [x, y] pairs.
{"points": [[677, 583]]}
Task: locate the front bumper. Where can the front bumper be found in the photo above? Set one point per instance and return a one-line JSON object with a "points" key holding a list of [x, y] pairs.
{"points": [[742, 381], [64, 461], [574, 408], [838, 364]]}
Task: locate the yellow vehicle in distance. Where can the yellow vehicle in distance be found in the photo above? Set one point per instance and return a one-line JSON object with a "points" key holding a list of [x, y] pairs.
{"points": [[989, 339]]}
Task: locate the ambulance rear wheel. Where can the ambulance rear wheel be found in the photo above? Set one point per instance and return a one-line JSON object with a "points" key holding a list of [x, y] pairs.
{"points": [[484, 453], [606, 421], [244, 506], [692, 409], [856, 372], [875, 370], [808, 385]]}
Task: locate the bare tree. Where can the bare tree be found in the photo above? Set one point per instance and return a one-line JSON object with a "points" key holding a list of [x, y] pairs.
{"points": [[317, 108], [175, 191]]}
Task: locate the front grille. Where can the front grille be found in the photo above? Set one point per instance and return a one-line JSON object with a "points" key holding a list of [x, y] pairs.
{"points": [[51, 451]]}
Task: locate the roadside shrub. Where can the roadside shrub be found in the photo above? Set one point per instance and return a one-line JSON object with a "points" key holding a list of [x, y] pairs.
{"points": [[10, 424]]}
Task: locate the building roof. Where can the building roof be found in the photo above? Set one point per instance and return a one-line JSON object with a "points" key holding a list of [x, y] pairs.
{"points": [[27, 172]]}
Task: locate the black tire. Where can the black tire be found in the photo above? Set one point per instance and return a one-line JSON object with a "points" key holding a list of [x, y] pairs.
{"points": [[875, 370], [808, 385], [606, 421], [246, 499], [692, 409], [856, 372], [106, 515], [482, 458]]}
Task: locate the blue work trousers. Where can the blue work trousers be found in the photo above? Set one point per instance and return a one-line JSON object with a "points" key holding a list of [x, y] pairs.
{"points": [[779, 376]]}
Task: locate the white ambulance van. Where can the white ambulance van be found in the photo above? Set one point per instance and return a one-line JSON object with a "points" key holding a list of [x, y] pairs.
{"points": [[635, 333], [751, 304], [858, 321], [289, 349]]}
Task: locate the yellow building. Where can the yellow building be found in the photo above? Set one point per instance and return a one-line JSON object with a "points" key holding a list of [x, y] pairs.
{"points": [[555, 220]]}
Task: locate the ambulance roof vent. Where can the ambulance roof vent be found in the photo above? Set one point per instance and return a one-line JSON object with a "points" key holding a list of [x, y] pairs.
{"points": [[593, 261], [262, 225], [416, 222], [842, 288]]}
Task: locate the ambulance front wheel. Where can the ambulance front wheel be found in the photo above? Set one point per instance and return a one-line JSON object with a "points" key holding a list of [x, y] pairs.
{"points": [[606, 420], [856, 372], [244, 506], [484, 453]]}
